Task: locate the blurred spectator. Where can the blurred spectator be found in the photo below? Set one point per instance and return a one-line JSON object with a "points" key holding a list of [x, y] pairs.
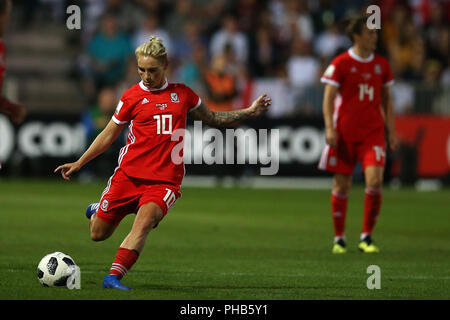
{"points": [[432, 72], [248, 11], [108, 52], [97, 116], [302, 66], [395, 18], [56, 8], [407, 52], [429, 89], [277, 11], [94, 120], [187, 40], [210, 13], [304, 22], [131, 77], [442, 103], [297, 21], [282, 42], [329, 42], [445, 78], [128, 16], [160, 8], [264, 53], [179, 17], [190, 72], [151, 27], [93, 9], [302, 72], [233, 66], [221, 87], [437, 35], [402, 94], [230, 34]]}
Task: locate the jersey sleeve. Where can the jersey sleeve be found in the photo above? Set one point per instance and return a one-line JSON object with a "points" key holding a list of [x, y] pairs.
{"points": [[122, 114], [388, 79], [193, 100], [333, 74]]}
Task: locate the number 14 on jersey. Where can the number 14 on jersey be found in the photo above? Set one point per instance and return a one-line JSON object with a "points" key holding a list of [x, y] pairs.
{"points": [[365, 89]]}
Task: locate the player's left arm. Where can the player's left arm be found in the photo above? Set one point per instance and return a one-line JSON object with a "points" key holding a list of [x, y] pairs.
{"points": [[223, 119], [389, 116]]}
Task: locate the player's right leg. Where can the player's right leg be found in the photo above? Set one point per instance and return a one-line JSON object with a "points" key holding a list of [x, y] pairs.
{"points": [[92, 209], [117, 200], [339, 196], [341, 162], [100, 230]]}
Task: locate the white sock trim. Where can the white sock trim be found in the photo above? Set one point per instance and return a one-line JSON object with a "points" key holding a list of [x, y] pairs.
{"points": [[336, 239]]}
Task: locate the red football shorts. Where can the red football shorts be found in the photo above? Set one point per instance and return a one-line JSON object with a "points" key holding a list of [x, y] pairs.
{"points": [[124, 195], [370, 152]]}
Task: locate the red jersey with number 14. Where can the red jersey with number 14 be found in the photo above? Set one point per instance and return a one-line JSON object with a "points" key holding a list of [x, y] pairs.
{"points": [[357, 110], [153, 115]]}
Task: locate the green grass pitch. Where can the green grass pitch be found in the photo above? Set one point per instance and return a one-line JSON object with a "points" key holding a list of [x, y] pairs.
{"points": [[233, 243]]}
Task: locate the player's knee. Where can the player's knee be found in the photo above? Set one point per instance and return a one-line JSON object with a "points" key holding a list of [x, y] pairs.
{"points": [[342, 184], [152, 219], [153, 222], [375, 182], [343, 187], [98, 236]]}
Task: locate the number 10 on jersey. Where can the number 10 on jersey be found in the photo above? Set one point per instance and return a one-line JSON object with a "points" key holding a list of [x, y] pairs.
{"points": [[163, 123]]}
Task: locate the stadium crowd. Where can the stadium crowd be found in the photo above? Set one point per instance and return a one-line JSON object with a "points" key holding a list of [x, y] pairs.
{"points": [[215, 46]]}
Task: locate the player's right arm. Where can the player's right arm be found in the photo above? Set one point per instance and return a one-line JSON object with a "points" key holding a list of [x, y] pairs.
{"points": [[327, 107], [98, 146], [15, 111]]}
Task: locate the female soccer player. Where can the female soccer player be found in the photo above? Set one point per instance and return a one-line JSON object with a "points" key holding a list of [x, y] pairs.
{"points": [[356, 107], [146, 180], [15, 111]]}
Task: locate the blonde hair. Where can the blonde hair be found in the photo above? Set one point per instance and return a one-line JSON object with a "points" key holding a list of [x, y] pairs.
{"points": [[153, 48]]}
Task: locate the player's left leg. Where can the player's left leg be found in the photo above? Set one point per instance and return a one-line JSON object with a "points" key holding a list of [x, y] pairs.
{"points": [[148, 217], [372, 155], [372, 206]]}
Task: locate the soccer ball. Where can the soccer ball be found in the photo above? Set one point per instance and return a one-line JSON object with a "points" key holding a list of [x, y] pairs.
{"points": [[54, 269]]}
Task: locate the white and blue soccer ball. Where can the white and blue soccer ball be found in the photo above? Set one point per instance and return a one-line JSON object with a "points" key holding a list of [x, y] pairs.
{"points": [[58, 269]]}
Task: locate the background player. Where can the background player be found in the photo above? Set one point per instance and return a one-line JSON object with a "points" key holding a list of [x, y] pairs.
{"points": [[356, 107], [146, 180], [15, 111]]}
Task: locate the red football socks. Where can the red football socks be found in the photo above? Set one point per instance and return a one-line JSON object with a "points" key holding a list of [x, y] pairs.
{"points": [[339, 212], [125, 259], [372, 205]]}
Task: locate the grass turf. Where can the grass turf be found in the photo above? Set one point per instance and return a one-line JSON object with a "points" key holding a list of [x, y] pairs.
{"points": [[234, 243]]}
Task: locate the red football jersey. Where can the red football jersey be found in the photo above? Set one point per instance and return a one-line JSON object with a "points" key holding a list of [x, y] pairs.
{"points": [[153, 115], [2, 63], [357, 109]]}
